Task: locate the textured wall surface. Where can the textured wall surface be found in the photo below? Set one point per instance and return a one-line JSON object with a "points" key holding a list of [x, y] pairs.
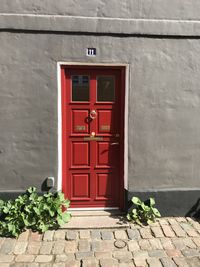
{"points": [[164, 106], [160, 42], [153, 9]]}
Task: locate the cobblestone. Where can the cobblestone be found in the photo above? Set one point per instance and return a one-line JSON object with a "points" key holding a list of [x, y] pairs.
{"points": [[102, 246], [126, 264], [103, 255], [189, 243], [146, 233], [120, 234], [107, 235], [46, 248], [33, 247], [84, 245], [178, 243], [142, 254], [58, 247], [95, 234], [153, 262], [196, 241], [169, 242], [193, 262], [71, 235], [84, 234], [133, 245], [174, 253], [166, 243], [133, 234], [20, 247], [90, 263], [24, 236], [155, 243], [72, 263], [124, 256], [6, 265], [157, 253], [64, 257], [167, 262], [190, 252], [48, 236], [70, 246], [35, 236], [84, 255], [140, 262], [180, 262], [6, 258], [157, 231], [108, 263], [59, 235], [172, 221], [168, 231], [144, 244], [24, 258], [178, 230], [163, 221], [44, 258]]}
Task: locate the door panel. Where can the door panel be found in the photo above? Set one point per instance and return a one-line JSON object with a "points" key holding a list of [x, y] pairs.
{"points": [[93, 147], [79, 121], [80, 186], [80, 154], [106, 122], [104, 186]]}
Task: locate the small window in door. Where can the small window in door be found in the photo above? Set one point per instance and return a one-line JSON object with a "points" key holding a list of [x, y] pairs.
{"points": [[105, 88], [80, 88]]}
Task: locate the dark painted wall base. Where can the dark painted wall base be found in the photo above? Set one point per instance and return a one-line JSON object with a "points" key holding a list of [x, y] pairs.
{"points": [[172, 202], [14, 194], [169, 202]]}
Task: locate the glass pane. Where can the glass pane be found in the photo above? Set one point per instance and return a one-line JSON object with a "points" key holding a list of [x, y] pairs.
{"points": [[80, 88], [106, 88]]}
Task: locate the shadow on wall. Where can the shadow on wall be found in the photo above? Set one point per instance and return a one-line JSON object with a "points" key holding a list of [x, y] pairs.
{"points": [[171, 202], [194, 211]]}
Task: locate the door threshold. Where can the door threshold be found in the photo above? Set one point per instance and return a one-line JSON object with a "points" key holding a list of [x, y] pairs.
{"points": [[95, 212]]}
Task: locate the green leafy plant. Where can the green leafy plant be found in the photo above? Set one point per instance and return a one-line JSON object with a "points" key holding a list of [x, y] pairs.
{"points": [[33, 211], [143, 212]]}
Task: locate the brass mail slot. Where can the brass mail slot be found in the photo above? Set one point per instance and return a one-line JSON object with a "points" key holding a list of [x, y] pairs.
{"points": [[93, 138]]}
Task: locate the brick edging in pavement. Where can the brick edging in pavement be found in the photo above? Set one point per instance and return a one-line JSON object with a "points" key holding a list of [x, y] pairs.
{"points": [[169, 242]]}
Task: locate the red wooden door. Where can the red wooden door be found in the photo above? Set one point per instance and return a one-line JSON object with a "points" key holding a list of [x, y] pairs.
{"points": [[92, 137]]}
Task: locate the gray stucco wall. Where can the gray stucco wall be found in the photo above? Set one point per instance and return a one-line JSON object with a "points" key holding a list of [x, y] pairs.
{"points": [[163, 106], [147, 9], [163, 53]]}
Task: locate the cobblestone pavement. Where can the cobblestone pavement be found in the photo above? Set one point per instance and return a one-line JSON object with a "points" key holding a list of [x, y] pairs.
{"points": [[169, 242]]}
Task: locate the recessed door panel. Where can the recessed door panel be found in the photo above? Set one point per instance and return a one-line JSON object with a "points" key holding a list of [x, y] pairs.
{"points": [[92, 133], [79, 121], [106, 121], [104, 186], [105, 156], [80, 154], [80, 186]]}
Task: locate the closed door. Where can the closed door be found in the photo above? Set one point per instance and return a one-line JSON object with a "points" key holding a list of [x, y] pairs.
{"points": [[92, 137]]}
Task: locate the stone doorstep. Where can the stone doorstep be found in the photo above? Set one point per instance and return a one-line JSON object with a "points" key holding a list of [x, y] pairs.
{"points": [[96, 222], [89, 213]]}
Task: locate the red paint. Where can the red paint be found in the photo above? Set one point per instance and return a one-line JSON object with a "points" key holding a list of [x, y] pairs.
{"points": [[93, 169]]}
